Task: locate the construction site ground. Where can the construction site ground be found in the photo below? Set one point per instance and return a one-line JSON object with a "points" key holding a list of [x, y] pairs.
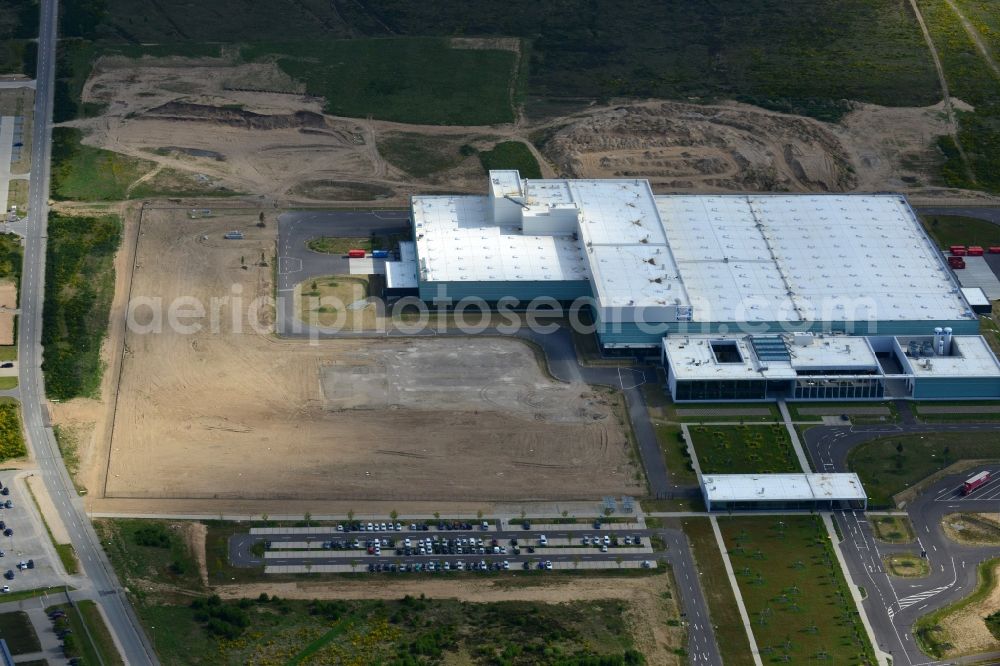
{"points": [[207, 117], [232, 417]]}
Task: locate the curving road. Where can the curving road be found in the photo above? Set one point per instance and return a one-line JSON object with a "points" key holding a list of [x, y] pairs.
{"points": [[894, 604], [106, 589]]}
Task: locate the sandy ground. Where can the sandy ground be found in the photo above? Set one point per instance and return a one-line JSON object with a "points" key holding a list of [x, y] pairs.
{"points": [[650, 600], [966, 630], [199, 116], [234, 414], [48, 509]]}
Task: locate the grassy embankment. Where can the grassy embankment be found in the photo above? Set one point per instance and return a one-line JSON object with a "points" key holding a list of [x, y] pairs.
{"points": [[79, 286], [892, 529], [928, 630], [511, 155]]}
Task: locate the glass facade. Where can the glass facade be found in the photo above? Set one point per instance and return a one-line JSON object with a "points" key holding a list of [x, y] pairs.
{"points": [[838, 389], [754, 389]]}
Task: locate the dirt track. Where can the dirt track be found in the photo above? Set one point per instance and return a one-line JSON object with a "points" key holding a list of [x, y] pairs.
{"points": [[237, 414]]}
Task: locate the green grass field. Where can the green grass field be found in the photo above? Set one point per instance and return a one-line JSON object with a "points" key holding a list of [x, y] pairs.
{"points": [[18, 25], [415, 79], [948, 230], [797, 599], [511, 155], [422, 156], [149, 550], [16, 629], [890, 465], [971, 80], [729, 632], [85, 173], [744, 449], [79, 285]]}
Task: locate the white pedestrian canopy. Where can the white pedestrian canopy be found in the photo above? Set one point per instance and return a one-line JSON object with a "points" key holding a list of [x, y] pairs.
{"points": [[781, 491]]}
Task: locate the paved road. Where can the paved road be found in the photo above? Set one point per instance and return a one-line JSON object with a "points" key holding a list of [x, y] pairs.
{"points": [[894, 604], [109, 593]]}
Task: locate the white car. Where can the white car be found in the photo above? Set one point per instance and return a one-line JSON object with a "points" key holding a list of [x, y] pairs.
{"points": [[506, 564], [406, 542], [548, 564], [5, 589], [542, 541], [607, 540]]}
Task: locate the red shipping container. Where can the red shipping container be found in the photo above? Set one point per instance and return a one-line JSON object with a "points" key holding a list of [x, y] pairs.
{"points": [[356, 254], [975, 251], [956, 247], [958, 252], [994, 249], [956, 265]]}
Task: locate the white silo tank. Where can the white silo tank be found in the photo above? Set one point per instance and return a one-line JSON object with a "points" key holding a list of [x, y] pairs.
{"points": [[939, 341], [947, 340]]}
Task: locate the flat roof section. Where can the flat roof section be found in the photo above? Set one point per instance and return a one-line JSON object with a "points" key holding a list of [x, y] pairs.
{"points": [[458, 242], [693, 357], [782, 487], [822, 257], [970, 356], [402, 274]]}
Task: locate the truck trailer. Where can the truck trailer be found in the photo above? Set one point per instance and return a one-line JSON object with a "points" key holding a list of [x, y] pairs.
{"points": [[974, 482]]}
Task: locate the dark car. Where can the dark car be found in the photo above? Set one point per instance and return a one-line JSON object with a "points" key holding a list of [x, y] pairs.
{"points": [[3, 525], [597, 524], [7, 364], [9, 575], [31, 564], [525, 525], [5, 491], [8, 532]]}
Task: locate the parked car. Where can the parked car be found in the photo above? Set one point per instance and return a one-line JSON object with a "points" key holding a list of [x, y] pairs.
{"points": [[8, 532], [9, 575], [5, 589]]}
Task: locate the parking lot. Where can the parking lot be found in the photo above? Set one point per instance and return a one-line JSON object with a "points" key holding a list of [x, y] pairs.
{"points": [[444, 547], [983, 498], [26, 553]]}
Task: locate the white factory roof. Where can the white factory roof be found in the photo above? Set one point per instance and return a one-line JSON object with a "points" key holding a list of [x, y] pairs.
{"points": [[732, 258], [970, 356], [812, 257], [781, 487], [692, 357], [458, 242]]}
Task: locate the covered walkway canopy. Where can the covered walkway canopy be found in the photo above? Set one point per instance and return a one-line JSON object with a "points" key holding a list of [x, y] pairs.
{"points": [[782, 491]]}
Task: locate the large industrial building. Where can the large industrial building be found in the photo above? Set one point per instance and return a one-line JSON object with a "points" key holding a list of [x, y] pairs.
{"points": [[743, 297]]}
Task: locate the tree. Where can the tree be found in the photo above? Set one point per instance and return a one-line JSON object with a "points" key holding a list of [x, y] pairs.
{"points": [[308, 518], [479, 514], [899, 447], [260, 220], [437, 515], [350, 515], [394, 515]]}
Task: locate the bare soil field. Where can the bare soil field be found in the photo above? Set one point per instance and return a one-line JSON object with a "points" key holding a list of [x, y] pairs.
{"points": [[229, 412], [209, 116], [736, 147], [20, 102]]}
